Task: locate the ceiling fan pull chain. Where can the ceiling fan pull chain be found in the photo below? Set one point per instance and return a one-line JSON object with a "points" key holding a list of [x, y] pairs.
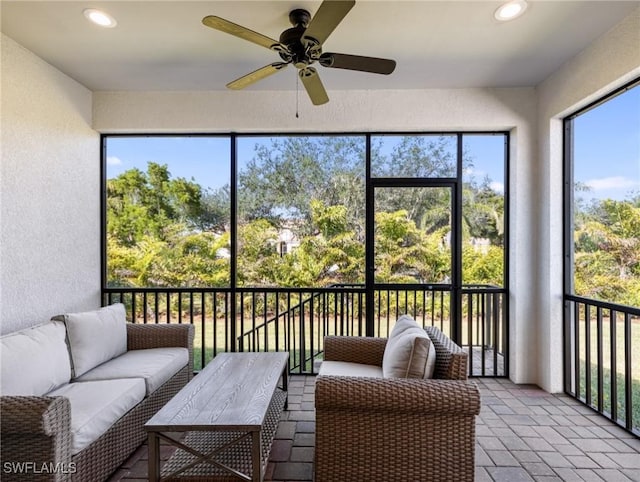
{"points": [[297, 96]]}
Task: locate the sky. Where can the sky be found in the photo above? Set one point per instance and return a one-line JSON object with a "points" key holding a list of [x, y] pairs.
{"points": [[606, 140], [607, 148], [207, 158]]}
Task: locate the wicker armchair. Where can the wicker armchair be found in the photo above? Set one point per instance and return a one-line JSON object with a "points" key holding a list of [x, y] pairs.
{"points": [[395, 429]]}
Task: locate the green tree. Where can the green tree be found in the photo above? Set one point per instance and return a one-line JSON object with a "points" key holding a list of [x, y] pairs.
{"points": [[140, 204], [283, 177], [155, 234], [334, 254], [406, 254], [607, 252]]}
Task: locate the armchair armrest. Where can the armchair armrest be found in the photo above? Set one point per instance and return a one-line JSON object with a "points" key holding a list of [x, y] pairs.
{"points": [[355, 349], [36, 431], [35, 415], [397, 395], [141, 337]]}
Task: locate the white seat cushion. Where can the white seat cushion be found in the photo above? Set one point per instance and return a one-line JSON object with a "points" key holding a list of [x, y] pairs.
{"points": [[95, 336], [34, 361], [348, 369], [96, 406], [155, 366]]}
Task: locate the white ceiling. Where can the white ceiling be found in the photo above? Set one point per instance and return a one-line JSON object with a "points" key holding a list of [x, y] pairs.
{"points": [[162, 45]]}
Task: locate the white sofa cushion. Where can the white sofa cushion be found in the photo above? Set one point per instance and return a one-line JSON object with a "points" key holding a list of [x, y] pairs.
{"points": [[34, 361], [95, 336], [96, 406], [349, 369], [409, 352], [154, 365]]}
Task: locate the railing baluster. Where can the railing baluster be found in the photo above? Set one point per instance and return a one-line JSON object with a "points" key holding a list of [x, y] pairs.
{"points": [[481, 316], [613, 393], [495, 313], [288, 343], [576, 329], [214, 322], [144, 312], [301, 341], [203, 343], [470, 331], [600, 399], [587, 336], [628, 386], [277, 327]]}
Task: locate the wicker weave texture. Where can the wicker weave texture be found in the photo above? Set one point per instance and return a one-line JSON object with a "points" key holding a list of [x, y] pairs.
{"points": [[451, 360], [396, 395], [237, 456], [355, 349], [37, 429], [396, 447], [397, 430]]}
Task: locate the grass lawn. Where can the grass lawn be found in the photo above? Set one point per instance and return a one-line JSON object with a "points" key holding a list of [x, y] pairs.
{"points": [[608, 371]]}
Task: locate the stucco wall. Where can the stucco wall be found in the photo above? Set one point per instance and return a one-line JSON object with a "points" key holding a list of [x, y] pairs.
{"points": [[49, 193], [364, 111], [610, 62]]}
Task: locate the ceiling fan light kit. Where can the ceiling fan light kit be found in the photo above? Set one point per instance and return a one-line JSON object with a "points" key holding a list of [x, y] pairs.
{"points": [[301, 45]]}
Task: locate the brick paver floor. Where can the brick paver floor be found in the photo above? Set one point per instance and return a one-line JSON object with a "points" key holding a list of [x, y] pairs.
{"points": [[523, 434]]}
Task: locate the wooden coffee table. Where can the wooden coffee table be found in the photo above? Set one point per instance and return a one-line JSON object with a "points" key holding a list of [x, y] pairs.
{"points": [[229, 412]]}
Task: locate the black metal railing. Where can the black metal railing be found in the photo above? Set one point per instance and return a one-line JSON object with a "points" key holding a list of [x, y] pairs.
{"points": [[297, 319], [602, 358]]}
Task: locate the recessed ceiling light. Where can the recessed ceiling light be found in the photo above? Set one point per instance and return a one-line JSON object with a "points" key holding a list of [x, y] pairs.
{"points": [[510, 10], [100, 18]]}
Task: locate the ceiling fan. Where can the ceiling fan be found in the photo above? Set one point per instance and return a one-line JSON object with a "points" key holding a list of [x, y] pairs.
{"points": [[301, 46]]}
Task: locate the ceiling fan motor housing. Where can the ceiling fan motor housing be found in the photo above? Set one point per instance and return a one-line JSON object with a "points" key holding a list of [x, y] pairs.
{"points": [[300, 53]]}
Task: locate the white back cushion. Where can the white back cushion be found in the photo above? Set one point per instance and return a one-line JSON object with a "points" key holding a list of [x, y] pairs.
{"points": [[95, 336], [409, 352], [404, 323], [34, 361]]}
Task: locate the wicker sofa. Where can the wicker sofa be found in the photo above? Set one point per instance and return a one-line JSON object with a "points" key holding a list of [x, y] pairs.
{"points": [[44, 416], [395, 429]]}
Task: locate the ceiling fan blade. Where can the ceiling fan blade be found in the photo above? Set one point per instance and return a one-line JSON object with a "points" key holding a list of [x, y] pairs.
{"points": [[326, 19], [313, 85], [357, 62], [239, 31], [256, 75]]}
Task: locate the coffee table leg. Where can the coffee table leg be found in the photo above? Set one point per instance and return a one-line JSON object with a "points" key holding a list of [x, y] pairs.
{"points": [[256, 456], [285, 384], [154, 457]]}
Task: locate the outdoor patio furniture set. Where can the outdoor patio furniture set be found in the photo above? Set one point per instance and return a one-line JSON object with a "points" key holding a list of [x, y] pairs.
{"points": [[77, 392]]}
